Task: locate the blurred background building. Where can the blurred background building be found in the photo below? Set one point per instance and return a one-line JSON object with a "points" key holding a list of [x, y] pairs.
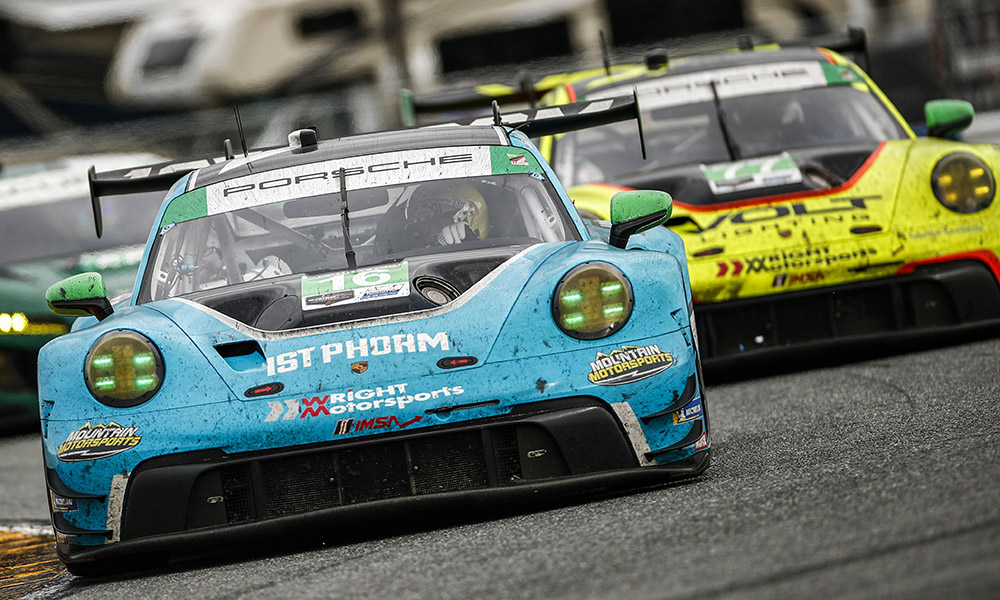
{"points": [[162, 75]]}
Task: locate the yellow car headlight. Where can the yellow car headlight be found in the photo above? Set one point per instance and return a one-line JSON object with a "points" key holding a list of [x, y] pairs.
{"points": [[963, 183], [123, 368], [592, 301]]}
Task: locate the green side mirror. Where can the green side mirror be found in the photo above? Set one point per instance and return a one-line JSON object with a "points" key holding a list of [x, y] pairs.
{"points": [[636, 211], [947, 117], [79, 295]]}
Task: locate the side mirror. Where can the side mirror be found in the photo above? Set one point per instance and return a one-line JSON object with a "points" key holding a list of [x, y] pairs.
{"points": [[79, 295], [636, 211], [947, 117]]}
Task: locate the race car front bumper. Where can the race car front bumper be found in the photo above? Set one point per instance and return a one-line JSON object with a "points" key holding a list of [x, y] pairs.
{"points": [[539, 452], [952, 298]]}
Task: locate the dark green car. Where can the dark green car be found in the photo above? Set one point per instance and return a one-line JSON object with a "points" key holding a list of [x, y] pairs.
{"points": [[46, 234]]}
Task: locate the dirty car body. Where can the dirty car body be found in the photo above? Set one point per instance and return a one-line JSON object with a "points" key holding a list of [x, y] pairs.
{"points": [[266, 375], [813, 217]]}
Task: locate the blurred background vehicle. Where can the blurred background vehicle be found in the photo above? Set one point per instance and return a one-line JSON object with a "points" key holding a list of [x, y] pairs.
{"points": [[46, 234], [167, 72]]}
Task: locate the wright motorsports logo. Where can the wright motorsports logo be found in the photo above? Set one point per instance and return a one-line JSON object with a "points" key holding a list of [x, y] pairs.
{"points": [[93, 442], [629, 364]]}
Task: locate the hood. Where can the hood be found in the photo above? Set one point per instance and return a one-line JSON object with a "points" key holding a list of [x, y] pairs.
{"points": [[506, 314], [400, 345]]}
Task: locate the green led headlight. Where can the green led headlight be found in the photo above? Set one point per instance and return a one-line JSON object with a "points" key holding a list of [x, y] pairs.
{"points": [[963, 183], [124, 368], [592, 301]]}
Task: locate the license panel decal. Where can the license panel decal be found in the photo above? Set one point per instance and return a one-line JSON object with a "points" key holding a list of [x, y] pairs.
{"points": [[350, 287], [756, 173]]}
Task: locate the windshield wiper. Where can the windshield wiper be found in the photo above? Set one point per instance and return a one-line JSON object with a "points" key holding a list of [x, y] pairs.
{"points": [[348, 250], [734, 150]]}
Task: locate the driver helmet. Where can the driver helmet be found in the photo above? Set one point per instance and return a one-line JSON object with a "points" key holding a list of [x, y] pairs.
{"points": [[447, 202]]}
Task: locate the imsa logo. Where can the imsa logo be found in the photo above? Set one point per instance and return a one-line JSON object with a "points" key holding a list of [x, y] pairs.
{"points": [[629, 364], [93, 442]]}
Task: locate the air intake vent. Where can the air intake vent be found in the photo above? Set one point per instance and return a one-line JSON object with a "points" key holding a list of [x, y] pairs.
{"points": [[435, 289]]}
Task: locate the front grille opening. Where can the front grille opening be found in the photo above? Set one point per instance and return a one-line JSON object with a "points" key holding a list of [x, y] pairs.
{"points": [[877, 307], [449, 463], [377, 472], [237, 494], [506, 452], [328, 478], [296, 485]]}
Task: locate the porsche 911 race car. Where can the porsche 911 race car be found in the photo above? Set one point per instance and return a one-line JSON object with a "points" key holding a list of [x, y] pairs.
{"points": [[46, 234], [812, 215], [365, 326]]}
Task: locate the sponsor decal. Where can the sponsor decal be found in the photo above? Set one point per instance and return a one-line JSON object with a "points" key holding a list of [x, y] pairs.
{"points": [[359, 367], [518, 159], [730, 82], [374, 170], [790, 259], [688, 413], [729, 177], [345, 426], [970, 228], [628, 364], [93, 442], [784, 279], [349, 287], [62, 504], [401, 343], [702, 442], [779, 218], [394, 396]]}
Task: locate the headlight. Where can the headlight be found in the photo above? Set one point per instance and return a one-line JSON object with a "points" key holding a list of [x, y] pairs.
{"points": [[592, 301], [123, 369], [963, 183]]}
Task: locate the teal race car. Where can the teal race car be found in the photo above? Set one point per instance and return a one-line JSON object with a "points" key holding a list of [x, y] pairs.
{"points": [[383, 324]]}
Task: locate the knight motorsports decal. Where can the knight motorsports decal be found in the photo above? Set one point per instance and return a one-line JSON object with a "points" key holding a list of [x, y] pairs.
{"points": [[628, 364], [92, 442]]}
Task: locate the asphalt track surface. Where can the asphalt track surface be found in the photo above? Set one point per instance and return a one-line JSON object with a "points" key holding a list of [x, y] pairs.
{"points": [[875, 479]]}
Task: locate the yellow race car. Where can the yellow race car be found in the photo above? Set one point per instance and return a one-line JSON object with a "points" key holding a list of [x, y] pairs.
{"points": [[810, 211]]}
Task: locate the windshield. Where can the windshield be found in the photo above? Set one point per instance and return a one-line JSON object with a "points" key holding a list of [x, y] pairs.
{"points": [[41, 231], [387, 224], [758, 125]]}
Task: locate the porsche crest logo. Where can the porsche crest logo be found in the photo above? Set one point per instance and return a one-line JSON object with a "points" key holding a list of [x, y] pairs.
{"points": [[359, 367]]}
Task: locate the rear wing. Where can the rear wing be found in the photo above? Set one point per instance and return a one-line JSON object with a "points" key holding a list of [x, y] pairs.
{"points": [[553, 120], [158, 177], [153, 178]]}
